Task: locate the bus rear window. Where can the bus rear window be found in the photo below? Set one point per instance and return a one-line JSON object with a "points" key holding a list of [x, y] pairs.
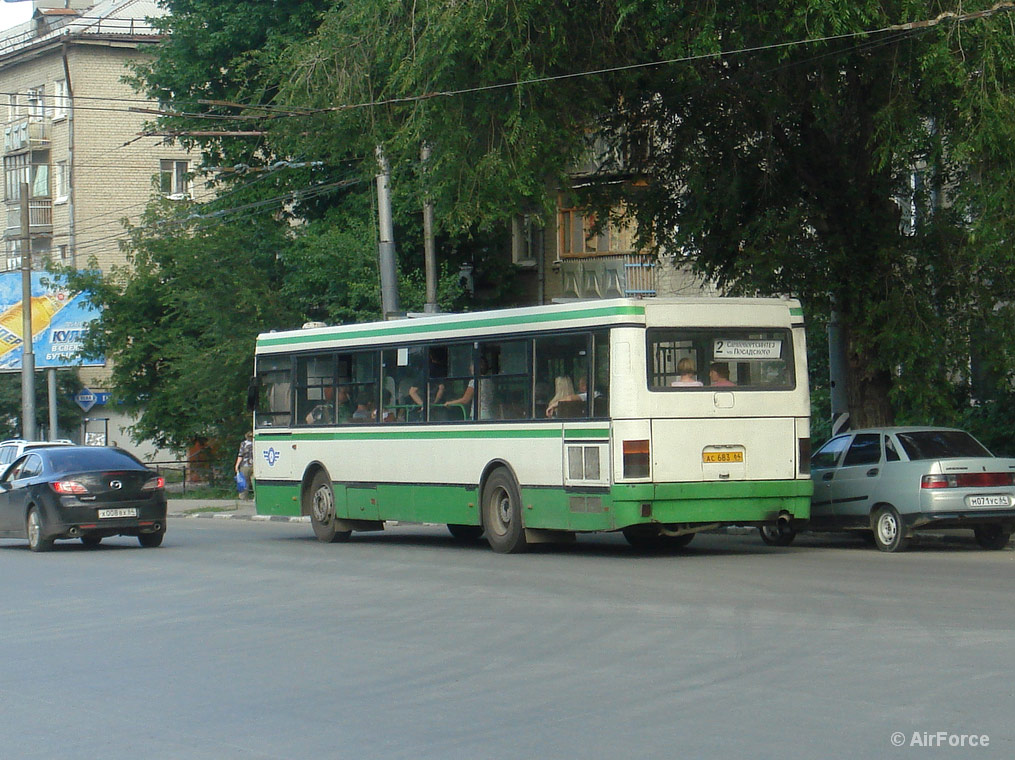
{"points": [[720, 358]]}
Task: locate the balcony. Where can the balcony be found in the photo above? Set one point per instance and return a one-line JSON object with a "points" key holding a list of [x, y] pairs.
{"points": [[607, 276], [26, 132], [40, 218]]}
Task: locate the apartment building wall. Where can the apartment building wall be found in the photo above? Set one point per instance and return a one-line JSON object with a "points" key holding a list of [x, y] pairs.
{"points": [[98, 170]]}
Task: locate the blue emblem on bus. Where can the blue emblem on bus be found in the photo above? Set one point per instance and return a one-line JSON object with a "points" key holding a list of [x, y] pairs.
{"points": [[271, 456]]}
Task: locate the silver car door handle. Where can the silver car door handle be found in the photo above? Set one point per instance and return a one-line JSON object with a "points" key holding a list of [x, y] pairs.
{"points": [[872, 472], [828, 476]]}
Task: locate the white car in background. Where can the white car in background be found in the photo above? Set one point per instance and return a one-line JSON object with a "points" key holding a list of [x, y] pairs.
{"points": [[889, 482], [12, 448]]}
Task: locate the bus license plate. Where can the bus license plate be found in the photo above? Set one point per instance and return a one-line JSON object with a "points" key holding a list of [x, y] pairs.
{"points": [[104, 513], [988, 501], [722, 457]]}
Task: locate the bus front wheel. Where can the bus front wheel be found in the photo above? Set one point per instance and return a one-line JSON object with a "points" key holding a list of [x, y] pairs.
{"points": [[502, 513], [320, 503]]}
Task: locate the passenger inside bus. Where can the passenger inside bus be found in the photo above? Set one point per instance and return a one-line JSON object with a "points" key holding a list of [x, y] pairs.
{"points": [[324, 413], [719, 375], [563, 392], [366, 410], [688, 376]]}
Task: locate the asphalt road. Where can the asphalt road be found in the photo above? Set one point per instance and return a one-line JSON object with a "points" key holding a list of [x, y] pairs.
{"points": [[242, 639]]}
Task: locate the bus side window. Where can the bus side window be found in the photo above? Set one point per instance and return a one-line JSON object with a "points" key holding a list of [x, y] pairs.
{"points": [[504, 381], [561, 376], [275, 374]]}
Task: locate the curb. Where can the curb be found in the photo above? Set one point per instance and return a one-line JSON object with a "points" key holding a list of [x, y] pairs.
{"points": [[245, 516]]}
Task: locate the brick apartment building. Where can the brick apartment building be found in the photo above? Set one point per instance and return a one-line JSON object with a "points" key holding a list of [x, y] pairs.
{"points": [[70, 133]]}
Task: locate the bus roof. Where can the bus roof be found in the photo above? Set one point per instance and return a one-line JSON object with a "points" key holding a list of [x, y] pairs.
{"points": [[692, 311]]}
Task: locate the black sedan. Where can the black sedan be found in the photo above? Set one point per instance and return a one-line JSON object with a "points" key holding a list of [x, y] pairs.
{"points": [[84, 492]]}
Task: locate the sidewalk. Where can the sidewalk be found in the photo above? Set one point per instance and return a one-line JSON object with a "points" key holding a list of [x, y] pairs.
{"points": [[223, 509]]}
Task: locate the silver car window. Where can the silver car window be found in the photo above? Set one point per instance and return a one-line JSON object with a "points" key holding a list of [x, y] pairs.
{"points": [[891, 454], [865, 449], [828, 455], [940, 444]]}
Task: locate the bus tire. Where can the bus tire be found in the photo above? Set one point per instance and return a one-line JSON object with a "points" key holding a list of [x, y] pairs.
{"points": [[465, 533], [320, 504], [502, 513]]}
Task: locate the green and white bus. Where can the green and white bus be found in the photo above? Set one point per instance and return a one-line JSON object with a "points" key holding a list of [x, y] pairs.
{"points": [[659, 418]]}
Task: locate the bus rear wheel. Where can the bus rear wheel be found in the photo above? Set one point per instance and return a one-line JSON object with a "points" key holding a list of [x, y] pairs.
{"points": [[502, 513], [319, 501]]}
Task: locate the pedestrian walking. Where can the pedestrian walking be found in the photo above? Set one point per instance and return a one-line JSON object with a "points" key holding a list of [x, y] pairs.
{"points": [[245, 464]]}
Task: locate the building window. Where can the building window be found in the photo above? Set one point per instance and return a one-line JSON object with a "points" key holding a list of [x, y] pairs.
{"points": [[13, 254], [62, 182], [36, 101], [16, 171], [12, 105], [61, 99], [174, 179], [577, 235]]}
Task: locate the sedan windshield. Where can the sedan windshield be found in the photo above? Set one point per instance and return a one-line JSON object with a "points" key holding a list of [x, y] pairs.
{"points": [[86, 460], [941, 444]]}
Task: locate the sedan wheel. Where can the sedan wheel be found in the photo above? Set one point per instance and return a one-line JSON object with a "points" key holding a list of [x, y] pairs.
{"points": [[992, 536], [34, 528], [889, 530]]}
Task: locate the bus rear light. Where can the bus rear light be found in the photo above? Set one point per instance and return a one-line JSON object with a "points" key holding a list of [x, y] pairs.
{"points": [[804, 456], [636, 459]]}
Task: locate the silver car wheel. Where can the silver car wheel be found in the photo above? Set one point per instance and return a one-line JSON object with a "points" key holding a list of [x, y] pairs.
{"points": [[888, 528], [890, 533]]}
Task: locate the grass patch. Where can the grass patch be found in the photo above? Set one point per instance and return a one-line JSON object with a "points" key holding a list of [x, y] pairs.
{"points": [[200, 510], [203, 492]]}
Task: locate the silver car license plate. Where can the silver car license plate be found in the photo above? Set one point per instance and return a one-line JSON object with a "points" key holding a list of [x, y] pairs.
{"points": [[104, 513], [988, 501]]}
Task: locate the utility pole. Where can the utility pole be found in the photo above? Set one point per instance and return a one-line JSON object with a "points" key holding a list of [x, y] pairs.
{"points": [[429, 248], [27, 351], [386, 246], [837, 374]]}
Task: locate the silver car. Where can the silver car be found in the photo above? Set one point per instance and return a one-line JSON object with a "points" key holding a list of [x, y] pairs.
{"points": [[888, 482]]}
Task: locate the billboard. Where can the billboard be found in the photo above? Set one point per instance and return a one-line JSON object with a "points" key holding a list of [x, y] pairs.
{"points": [[60, 320]]}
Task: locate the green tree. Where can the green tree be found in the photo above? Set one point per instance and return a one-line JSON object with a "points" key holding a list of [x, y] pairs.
{"points": [[69, 414], [179, 321], [837, 151]]}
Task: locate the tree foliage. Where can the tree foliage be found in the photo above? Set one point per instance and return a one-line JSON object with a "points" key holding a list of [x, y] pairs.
{"points": [[69, 414], [854, 154]]}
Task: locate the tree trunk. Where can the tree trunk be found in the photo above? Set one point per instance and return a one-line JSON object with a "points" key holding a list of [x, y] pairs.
{"points": [[867, 389]]}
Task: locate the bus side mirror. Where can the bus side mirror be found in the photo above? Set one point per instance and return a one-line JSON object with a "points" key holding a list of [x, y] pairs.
{"points": [[253, 393]]}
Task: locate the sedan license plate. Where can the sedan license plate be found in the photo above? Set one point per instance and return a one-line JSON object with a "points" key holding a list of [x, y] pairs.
{"points": [[988, 501], [722, 457], [104, 513]]}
